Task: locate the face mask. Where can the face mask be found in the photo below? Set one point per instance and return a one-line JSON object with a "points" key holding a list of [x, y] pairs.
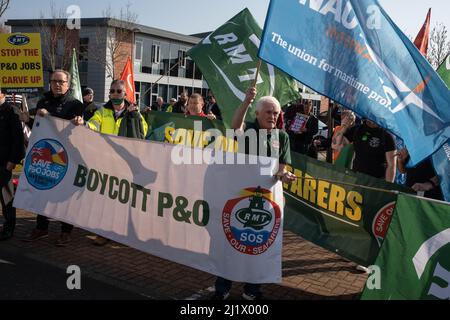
{"points": [[117, 102]]}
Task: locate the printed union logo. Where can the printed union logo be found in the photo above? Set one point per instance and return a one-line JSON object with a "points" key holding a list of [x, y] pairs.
{"points": [[46, 164], [251, 222], [381, 222], [18, 40]]}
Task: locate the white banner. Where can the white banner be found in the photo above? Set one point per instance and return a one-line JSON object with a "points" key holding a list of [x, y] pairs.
{"points": [[226, 220]]}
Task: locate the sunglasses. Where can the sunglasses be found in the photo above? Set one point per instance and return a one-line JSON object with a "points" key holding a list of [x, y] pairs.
{"points": [[118, 91], [60, 82]]}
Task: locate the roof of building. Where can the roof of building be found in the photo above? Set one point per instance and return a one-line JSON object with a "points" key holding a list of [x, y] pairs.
{"points": [[201, 35], [111, 22]]}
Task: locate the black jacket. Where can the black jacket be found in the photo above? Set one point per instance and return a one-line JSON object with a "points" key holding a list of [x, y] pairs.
{"points": [[301, 143], [88, 110], [179, 108], [12, 148], [214, 109], [64, 107]]}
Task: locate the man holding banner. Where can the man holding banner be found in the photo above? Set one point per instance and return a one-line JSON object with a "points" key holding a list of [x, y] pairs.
{"points": [[58, 102], [114, 118], [267, 111]]}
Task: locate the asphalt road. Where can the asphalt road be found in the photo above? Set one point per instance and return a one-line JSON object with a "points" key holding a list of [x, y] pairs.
{"points": [[23, 278]]}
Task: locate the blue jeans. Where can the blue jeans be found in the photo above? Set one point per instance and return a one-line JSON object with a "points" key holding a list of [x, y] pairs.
{"points": [[223, 286]]}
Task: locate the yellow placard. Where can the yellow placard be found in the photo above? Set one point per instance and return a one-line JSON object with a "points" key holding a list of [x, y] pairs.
{"points": [[21, 68]]}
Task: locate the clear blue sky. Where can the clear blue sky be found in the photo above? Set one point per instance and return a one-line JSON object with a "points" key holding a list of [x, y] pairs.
{"points": [[196, 16]]}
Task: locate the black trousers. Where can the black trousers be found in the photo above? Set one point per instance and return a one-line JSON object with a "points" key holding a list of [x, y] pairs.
{"points": [[223, 286], [9, 212], [42, 224]]}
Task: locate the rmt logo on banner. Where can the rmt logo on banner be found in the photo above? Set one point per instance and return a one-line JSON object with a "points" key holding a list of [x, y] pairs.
{"points": [[251, 222]]}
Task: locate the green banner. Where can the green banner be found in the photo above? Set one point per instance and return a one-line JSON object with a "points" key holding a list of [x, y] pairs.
{"points": [[228, 60], [414, 260], [326, 206], [444, 70], [179, 129]]}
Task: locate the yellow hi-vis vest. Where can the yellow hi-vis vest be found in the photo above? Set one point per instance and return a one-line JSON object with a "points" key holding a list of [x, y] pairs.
{"points": [[104, 122]]}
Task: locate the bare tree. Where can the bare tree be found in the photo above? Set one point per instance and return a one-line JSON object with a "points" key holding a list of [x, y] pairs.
{"points": [[3, 6], [439, 46], [118, 39], [57, 42], [4, 28]]}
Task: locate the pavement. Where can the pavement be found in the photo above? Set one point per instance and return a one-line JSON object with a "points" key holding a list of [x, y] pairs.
{"points": [[29, 279], [37, 270]]}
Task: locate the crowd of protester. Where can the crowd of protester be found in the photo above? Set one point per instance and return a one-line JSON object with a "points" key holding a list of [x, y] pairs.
{"points": [[373, 148]]}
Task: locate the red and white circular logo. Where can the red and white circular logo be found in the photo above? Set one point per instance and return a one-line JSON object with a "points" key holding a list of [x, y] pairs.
{"points": [[251, 222], [381, 221]]}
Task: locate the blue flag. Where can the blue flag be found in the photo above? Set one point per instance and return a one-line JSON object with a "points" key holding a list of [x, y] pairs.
{"points": [[441, 163], [352, 52]]}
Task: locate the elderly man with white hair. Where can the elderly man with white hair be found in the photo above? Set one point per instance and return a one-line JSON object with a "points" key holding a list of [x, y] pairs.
{"points": [[267, 112]]}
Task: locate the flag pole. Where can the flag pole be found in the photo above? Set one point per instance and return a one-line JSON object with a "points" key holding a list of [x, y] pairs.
{"points": [[160, 78], [257, 73], [330, 124]]}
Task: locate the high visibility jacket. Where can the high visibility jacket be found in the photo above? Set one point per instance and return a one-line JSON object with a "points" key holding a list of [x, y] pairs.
{"points": [[104, 120]]}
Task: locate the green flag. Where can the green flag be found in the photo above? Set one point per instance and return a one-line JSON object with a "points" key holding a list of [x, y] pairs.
{"points": [[228, 59], [414, 259], [75, 78], [444, 71]]}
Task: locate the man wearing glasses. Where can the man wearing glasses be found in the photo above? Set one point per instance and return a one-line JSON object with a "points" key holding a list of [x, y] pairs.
{"points": [[58, 102], [108, 119], [113, 118]]}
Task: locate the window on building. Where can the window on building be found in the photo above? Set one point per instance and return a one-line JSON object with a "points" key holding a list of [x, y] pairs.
{"points": [[138, 50], [138, 99], [146, 66], [146, 69], [182, 58], [83, 54], [162, 91], [144, 94], [180, 90], [154, 96], [172, 92], [189, 68], [197, 72], [173, 59], [156, 53], [315, 111], [165, 66], [165, 55]]}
